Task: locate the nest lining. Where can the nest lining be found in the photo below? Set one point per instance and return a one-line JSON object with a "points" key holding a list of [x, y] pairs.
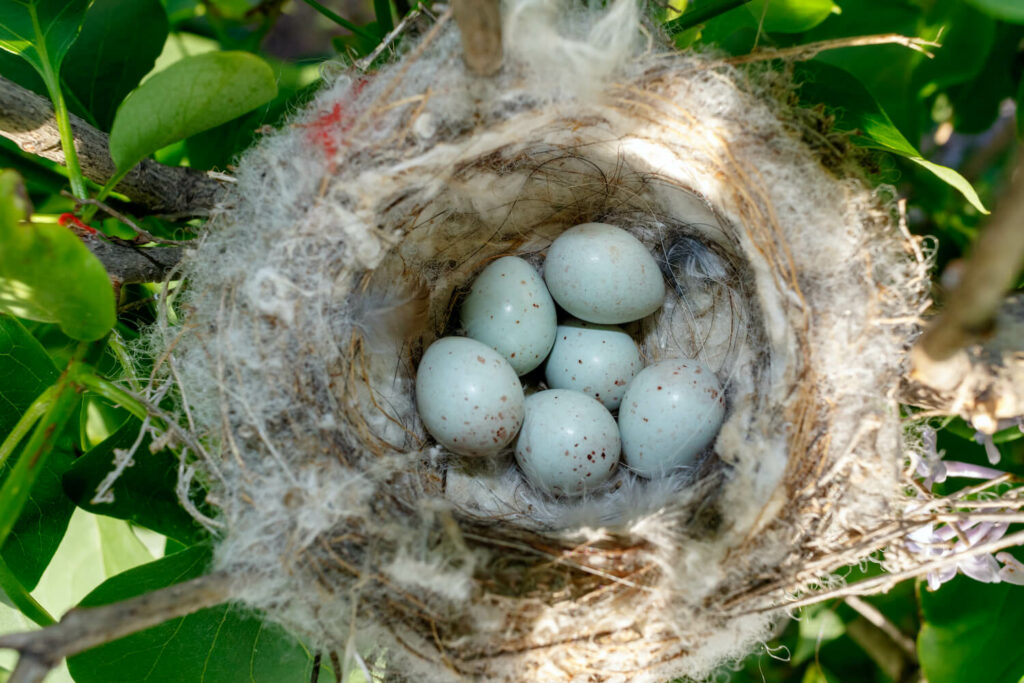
{"points": [[312, 299]]}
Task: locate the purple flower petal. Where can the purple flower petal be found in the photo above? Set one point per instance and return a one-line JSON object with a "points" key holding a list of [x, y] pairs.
{"points": [[1012, 570], [990, 447], [969, 471], [982, 568]]}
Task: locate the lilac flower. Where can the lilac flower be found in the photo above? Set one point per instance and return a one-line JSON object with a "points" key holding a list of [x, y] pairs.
{"points": [[1012, 570], [990, 447], [934, 543]]}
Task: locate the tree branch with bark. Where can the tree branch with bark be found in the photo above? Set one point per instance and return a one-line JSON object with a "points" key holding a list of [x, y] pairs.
{"points": [[88, 627], [28, 120]]}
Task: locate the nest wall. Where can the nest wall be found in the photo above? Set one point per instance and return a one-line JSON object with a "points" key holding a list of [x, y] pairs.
{"points": [[352, 235]]}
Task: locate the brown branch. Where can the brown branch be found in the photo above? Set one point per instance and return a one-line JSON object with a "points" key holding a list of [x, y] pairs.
{"points": [[948, 354], [874, 616], [992, 269], [27, 119], [127, 263], [480, 25], [85, 628]]}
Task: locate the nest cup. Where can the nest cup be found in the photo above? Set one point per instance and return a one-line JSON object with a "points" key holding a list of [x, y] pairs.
{"points": [[352, 235]]}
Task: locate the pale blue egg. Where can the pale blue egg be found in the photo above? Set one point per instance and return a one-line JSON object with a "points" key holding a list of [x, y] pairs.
{"points": [[569, 443], [670, 413], [510, 310], [602, 274], [598, 360], [468, 396]]}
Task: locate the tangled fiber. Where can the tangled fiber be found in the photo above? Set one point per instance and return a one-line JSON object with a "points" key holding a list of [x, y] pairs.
{"points": [[354, 231]]}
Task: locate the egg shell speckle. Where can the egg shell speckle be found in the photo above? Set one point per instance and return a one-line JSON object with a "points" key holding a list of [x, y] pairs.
{"points": [[569, 443], [602, 274], [468, 396], [671, 411], [598, 360], [510, 310]]}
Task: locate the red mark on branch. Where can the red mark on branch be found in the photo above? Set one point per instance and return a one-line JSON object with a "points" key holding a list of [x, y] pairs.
{"points": [[71, 220]]}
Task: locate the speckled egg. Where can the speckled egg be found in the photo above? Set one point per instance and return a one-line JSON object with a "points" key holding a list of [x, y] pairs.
{"points": [[510, 310], [468, 396], [670, 412], [569, 443], [602, 274], [598, 360]]}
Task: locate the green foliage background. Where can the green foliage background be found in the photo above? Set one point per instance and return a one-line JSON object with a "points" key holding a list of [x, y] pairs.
{"points": [[192, 82]]}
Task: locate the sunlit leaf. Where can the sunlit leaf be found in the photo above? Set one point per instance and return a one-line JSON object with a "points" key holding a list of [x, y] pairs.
{"points": [[81, 299], [790, 16], [1007, 10], [192, 95], [41, 31], [857, 111]]}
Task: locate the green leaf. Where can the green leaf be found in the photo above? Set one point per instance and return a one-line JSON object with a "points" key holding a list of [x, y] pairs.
{"points": [[885, 70], [222, 644], [857, 111], [976, 102], [818, 625], [1007, 10], [41, 31], [790, 16], [220, 146], [190, 96], [734, 31], [1020, 109], [118, 45], [382, 10], [967, 37], [47, 274], [953, 179], [971, 632], [121, 548], [145, 491], [25, 371]]}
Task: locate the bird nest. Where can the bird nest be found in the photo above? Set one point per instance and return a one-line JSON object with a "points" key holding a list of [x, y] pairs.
{"points": [[353, 234]]}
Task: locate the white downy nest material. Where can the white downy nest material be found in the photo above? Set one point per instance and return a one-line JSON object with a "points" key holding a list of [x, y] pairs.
{"points": [[353, 232]]}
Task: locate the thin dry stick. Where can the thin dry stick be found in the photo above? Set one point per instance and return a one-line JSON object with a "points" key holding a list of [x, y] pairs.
{"points": [[882, 583], [89, 627], [873, 615], [365, 63], [811, 50], [143, 236], [479, 24]]}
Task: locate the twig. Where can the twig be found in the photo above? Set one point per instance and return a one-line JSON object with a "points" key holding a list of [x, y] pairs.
{"points": [[873, 615], [364, 63], [27, 119], [143, 235], [480, 25], [811, 50], [85, 628], [883, 582]]}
